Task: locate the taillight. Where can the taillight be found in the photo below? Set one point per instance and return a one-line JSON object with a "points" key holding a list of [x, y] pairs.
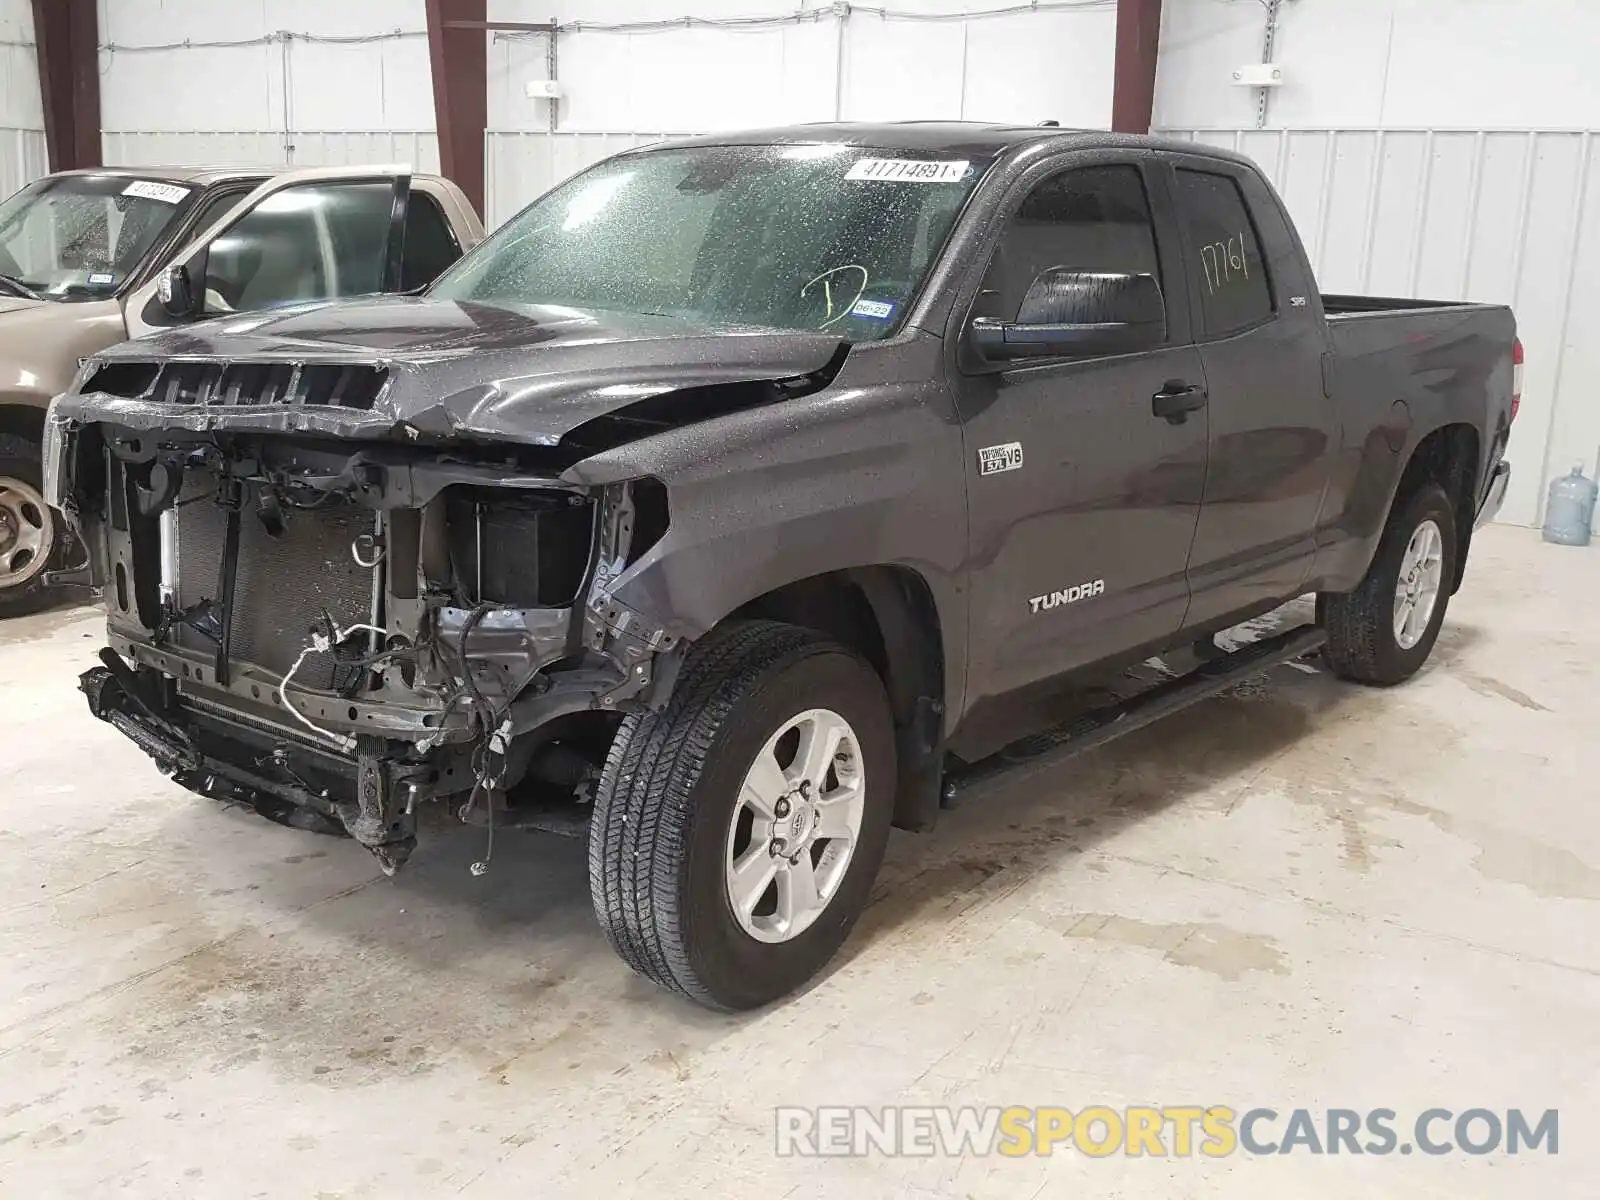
{"points": [[1516, 377]]}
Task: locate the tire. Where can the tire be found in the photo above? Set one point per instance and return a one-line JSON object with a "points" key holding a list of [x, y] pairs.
{"points": [[1363, 643], [22, 511], [671, 804]]}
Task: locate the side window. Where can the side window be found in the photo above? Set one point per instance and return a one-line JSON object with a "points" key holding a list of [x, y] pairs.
{"points": [[214, 209], [315, 241], [430, 243], [1093, 219], [1235, 292]]}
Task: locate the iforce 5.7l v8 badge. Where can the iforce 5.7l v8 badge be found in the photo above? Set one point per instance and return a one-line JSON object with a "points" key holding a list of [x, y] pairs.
{"points": [[994, 459]]}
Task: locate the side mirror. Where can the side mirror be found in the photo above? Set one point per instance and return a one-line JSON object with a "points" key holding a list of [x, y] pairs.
{"points": [[176, 292], [1076, 313]]}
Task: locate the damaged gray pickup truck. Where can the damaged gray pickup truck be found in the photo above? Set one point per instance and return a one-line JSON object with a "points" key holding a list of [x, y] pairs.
{"points": [[726, 501]]}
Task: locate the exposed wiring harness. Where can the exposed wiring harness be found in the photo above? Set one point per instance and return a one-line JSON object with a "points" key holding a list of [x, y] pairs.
{"points": [[494, 736], [493, 730], [323, 642]]}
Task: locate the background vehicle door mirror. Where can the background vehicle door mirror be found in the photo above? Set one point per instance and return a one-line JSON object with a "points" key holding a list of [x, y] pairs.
{"points": [[177, 292], [1078, 313]]}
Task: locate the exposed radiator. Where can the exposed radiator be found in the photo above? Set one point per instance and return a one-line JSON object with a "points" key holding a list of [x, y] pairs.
{"points": [[283, 585]]}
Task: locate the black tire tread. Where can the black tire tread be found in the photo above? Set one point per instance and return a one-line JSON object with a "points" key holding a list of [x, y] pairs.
{"points": [[33, 595], [639, 830], [1358, 621], [12, 446]]}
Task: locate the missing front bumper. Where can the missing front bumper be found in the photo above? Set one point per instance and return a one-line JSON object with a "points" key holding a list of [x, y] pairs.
{"points": [[372, 795], [331, 635]]}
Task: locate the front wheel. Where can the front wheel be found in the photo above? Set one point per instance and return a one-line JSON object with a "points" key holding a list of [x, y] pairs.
{"points": [[1382, 632], [737, 832], [30, 533]]}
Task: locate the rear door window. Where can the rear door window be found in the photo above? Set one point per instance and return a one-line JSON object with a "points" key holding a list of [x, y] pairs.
{"points": [[430, 244], [1235, 292]]}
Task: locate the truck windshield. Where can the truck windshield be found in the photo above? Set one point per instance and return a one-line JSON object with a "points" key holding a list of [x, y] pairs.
{"points": [[814, 236], [80, 237]]}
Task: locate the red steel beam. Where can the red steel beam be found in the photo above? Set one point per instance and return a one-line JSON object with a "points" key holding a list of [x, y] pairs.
{"points": [[459, 57], [1133, 95], [67, 35]]}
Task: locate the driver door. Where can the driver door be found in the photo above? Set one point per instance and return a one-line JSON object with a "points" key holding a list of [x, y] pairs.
{"points": [[321, 234], [1082, 499]]}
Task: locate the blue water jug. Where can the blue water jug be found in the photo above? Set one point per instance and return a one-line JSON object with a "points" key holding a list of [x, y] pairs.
{"points": [[1570, 510]]}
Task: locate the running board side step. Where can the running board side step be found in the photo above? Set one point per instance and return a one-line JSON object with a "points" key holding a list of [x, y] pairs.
{"points": [[1104, 724]]}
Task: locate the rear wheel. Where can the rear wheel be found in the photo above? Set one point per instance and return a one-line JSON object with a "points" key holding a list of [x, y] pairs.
{"points": [[737, 832], [30, 533], [1382, 632]]}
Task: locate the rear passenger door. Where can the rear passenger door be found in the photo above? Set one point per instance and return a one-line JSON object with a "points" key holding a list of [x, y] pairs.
{"points": [[1272, 430]]}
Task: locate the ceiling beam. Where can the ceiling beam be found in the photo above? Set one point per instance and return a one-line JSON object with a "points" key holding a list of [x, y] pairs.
{"points": [[1133, 94], [458, 55], [67, 36]]}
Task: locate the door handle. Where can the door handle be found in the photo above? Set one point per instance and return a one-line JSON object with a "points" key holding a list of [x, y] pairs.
{"points": [[1176, 400]]}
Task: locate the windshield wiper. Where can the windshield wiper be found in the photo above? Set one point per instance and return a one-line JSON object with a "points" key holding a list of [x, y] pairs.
{"points": [[17, 288]]}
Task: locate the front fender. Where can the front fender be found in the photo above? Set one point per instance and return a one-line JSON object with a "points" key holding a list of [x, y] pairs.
{"points": [[868, 472]]}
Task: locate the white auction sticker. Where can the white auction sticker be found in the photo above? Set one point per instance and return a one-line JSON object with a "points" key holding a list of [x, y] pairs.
{"points": [[149, 189], [909, 170]]}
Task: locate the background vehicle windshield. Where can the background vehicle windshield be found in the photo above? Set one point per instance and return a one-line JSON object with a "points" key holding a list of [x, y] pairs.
{"points": [[77, 237], [793, 237]]}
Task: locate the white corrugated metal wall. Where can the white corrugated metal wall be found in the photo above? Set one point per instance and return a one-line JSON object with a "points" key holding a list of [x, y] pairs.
{"points": [[519, 167], [1503, 216], [22, 148], [22, 158], [173, 147]]}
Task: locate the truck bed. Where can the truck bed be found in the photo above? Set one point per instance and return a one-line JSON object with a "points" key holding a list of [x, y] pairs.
{"points": [[1403, 362], [1335, 305]]}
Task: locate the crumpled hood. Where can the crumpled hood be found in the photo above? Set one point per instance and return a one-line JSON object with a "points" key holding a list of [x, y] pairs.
{"points": [[528, 375]]}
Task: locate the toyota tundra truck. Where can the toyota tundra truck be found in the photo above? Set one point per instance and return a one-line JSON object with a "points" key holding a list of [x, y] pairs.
{"points": [[89, 258], [714, 505]]}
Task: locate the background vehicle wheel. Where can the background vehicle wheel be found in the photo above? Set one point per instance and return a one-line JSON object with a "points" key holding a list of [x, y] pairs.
{"points": [[30, 533], [737, 832], [1384, 630]]}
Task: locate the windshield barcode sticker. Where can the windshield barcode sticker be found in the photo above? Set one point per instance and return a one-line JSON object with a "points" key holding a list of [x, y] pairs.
{"points": [[908, 170], [149, 189]]}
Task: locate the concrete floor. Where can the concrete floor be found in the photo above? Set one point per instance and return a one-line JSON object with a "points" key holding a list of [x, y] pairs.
{"points": [[1298, 894]]}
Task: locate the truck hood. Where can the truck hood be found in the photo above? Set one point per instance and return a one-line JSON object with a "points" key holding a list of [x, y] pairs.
{"points": [[531, 374], [41, 342], [10, 304]]}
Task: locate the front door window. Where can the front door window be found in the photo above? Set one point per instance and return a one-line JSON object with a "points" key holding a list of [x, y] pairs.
{"points": [[314, 241]]}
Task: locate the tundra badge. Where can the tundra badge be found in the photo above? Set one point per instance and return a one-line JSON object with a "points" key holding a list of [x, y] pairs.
{"points": [[994, 459], [1071, 595]]}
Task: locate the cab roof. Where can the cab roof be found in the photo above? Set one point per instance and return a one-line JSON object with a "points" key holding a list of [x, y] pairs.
{"points": [[194, 175], [201, 176], [944, 137]]}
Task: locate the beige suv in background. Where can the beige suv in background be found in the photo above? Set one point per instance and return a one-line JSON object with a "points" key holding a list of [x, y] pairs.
{"points": [[91, 258]]}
